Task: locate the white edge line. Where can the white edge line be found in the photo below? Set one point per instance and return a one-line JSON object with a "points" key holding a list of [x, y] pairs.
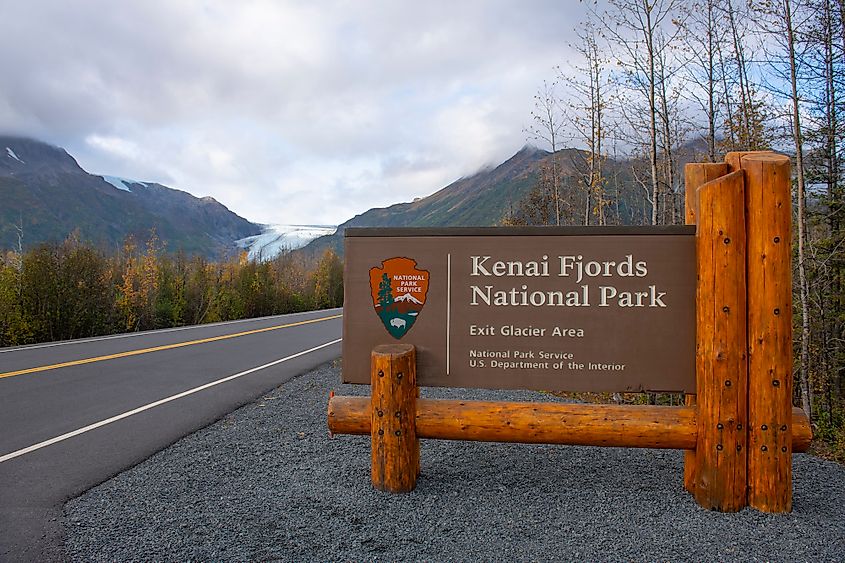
{"points": [[150, 332], [448, 307], [160, 402]]}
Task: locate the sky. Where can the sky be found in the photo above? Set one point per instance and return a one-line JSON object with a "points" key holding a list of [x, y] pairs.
{"points": [[286, 112]]}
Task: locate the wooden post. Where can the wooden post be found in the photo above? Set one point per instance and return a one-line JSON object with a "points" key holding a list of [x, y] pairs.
{"points": [[395, 447], [695, 176], [734, 159], [721, 371], [769, 210]]}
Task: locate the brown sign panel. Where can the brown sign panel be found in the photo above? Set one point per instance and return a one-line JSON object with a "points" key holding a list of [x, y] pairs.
{"points": [[577, 309]]}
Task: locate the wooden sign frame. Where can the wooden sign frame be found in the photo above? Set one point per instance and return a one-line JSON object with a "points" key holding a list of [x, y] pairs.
{"points": [[739, 429]]}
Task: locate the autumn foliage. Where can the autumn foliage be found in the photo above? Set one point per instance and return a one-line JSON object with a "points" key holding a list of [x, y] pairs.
{"points": [[69, 290]]}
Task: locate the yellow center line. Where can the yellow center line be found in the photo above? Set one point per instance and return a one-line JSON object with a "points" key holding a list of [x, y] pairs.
{"points": [[160, 348]]}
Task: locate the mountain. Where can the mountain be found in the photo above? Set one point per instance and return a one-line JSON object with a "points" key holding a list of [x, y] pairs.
{"points": [[44, 190], [478, 200], [473, 201], [482, 199]]}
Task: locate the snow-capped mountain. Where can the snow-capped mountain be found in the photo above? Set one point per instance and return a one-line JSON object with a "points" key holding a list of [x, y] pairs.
{"points": [[278, 239]]}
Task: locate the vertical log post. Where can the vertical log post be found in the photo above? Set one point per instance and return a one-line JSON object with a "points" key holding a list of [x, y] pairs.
{"points": [[395, 447], [695, 176], [734, 159], [721, 370], [769, 217]]}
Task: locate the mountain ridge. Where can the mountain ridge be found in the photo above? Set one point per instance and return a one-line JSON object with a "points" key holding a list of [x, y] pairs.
{"points": [[470, 201], [494, 194], [50, 196], [485, 198]]}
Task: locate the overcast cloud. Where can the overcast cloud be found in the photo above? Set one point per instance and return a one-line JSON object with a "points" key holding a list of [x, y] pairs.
{"points": [[286, 112]]}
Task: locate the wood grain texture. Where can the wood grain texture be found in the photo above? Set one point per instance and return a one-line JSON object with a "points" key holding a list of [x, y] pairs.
{"points": [[351, 415], [769, 219], [539, 423], [695, 176], [393, 408], [721, 371], [802, 432], [734, 159]]}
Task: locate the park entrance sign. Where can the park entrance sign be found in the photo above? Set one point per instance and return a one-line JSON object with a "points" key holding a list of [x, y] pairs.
{"points": [[599, 309], [579, 309]]}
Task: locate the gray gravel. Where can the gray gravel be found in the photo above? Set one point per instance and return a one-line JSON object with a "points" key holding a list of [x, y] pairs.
{"points": [[267, 483]]}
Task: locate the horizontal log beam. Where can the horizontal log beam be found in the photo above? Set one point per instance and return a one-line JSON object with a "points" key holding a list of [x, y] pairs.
{"points": [[546, 423], [631, 426], [802, 433]]}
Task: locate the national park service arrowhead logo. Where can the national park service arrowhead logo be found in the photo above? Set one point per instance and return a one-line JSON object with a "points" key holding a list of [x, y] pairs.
{"points": [[398, 289]]}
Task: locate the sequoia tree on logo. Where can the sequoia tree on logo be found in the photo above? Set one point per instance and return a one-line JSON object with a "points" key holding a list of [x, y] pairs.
{"points": [[398, 289]]}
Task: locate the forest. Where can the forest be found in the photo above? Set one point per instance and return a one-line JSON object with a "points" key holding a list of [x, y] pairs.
{"points": [[61, 291], [665, 82]]}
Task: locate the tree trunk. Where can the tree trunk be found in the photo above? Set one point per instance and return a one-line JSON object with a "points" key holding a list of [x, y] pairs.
{"points": [[711, 86], [804, 289], [744, 95], [652, 111]]}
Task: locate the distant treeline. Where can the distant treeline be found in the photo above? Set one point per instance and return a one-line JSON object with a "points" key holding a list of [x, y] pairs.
{"points": [[69, 290]]}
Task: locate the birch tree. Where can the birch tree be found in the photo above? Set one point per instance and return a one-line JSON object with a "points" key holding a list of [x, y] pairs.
{"points": [[638, 31], [588, 87], [747, 114], [546, 126], [703, 40]]}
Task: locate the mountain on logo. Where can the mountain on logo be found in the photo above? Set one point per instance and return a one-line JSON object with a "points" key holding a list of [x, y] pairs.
{"points": [[407, 298]]}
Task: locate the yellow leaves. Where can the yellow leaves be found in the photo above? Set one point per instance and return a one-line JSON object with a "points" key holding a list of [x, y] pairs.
{"points": [[70, 290]]}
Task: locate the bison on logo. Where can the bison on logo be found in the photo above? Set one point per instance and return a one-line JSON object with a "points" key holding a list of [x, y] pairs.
{"points": [[398, 289]]}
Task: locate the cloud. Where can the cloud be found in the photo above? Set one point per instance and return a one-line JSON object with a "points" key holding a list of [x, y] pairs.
{"points": [[120, 148], [305, 112]]}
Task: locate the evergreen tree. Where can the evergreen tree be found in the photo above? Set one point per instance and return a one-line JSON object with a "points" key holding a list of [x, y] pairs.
{"points": [[385, 293]]}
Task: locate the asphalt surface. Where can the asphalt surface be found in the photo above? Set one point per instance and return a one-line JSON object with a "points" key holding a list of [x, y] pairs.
{"points": [[38, 406]]}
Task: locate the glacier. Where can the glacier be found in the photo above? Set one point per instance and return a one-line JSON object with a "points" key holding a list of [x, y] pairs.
{"points": [[122, 183], [278, 239]]}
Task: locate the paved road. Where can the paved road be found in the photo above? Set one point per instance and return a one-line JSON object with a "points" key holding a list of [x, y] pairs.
{"points": [[74, 414]]}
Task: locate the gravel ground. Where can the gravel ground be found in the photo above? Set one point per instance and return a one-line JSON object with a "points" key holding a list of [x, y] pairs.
{"points": [[267, 483]]}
